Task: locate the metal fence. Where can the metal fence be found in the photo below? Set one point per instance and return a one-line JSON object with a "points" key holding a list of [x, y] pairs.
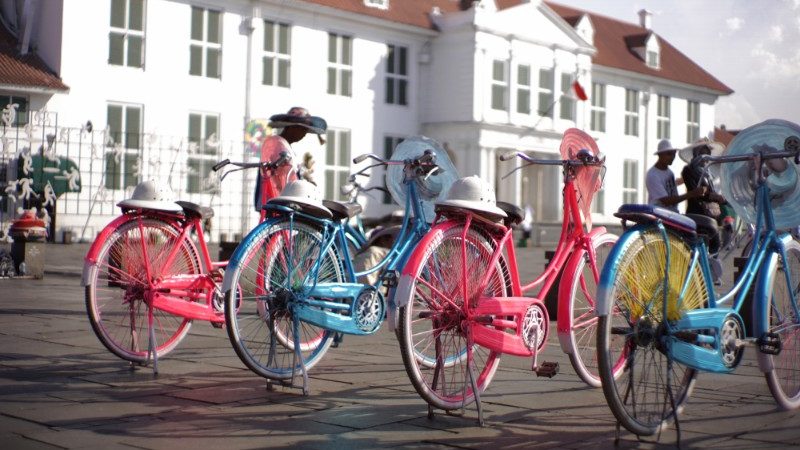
{"points": [[74, 177]]}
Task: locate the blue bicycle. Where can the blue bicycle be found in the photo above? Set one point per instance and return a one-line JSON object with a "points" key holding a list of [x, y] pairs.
{"points": [[291, 285], [659, 317]]}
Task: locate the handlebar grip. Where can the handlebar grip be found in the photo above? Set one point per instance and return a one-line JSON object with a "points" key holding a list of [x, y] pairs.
{"points": [[220, 164], [507, 156], [360, 158]]}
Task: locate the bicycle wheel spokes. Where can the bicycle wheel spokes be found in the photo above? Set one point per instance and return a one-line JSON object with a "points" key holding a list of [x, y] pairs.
{"points": [[652, 388], [784, 376], [268, 277], [115, 295], [583, 324], [434, 331]]}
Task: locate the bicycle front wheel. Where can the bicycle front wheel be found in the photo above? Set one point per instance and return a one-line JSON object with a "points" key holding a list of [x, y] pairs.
{"points": [[118, 281], [271, 270], [582, 284], [781, 314], [433, 342], [652, 388]]}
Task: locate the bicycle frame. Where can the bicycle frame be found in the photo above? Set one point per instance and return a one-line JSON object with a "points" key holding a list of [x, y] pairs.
{"points": [[331, 314]]}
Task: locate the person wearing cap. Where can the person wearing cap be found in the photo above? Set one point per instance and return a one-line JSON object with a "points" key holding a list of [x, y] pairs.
{"points": [[708, 205], [294, 125], [661, 187]]}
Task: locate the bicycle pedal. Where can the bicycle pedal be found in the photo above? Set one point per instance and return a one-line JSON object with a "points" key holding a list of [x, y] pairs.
{"points": [[547, 369], [769, 343], [217, 324]]}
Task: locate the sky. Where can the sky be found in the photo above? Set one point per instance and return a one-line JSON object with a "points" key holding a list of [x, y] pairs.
{"points": [[753, 46]]}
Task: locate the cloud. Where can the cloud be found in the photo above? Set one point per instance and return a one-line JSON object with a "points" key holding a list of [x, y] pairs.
{"points": [[735, 112], [776, 33], [775, 69], [735, 23]]}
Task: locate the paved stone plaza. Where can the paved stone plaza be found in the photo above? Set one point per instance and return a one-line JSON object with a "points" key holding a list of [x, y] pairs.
{"points": [[60, 388]]}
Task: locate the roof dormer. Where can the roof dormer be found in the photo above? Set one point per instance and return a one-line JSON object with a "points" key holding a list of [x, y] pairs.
{"points": [[585, 29], [380, 4], [646, 47]]}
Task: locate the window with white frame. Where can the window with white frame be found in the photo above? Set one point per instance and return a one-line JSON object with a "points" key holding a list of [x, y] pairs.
{"points": [[123, 158], [500, 85], [652, 58], [630, 181], [631, 112], [17, 107], [692, 121], [203, 142], [205, 49], [126, 36], [276, 61], [662, 117], [389, 144], [337, 163], [567, 101], [523, 89], [598, 118], [340, 65], [545, 92], [598, 202], [381, 4], [396, 75]]}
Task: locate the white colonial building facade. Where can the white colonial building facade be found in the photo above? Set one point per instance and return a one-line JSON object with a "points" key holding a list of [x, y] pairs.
{"points": [[169, 86]]}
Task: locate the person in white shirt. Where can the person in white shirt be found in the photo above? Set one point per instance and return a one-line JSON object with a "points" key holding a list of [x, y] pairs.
{"points": [[661, 187]]}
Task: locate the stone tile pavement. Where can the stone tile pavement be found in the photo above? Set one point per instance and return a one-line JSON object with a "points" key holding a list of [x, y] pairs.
{"points": [[59, 388]]}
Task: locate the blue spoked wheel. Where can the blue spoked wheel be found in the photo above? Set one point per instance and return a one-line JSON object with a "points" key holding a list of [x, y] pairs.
{"points": [[651, 389], [779, 314], [268, 271]]}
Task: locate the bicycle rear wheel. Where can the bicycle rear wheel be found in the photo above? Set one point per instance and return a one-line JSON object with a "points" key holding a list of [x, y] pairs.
{"points": [[258, 307], [433, 339], [652, 388], [582, 285], [783, 370], [118, 280]]}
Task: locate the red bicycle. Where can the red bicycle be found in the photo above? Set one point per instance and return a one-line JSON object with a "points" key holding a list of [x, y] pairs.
{"points": [[146, 279], [461, 296]]}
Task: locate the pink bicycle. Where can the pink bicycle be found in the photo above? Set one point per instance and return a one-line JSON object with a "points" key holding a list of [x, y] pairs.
{"points": [[144, 277], [460, 296]]}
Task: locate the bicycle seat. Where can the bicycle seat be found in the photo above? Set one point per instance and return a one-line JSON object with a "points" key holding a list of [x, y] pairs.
{"points": [[650, 213], [342, 210], [514, 212], [195, 210]]}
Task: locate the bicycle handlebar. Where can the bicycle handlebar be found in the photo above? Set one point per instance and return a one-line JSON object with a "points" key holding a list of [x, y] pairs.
{"points": [[590, 160]]}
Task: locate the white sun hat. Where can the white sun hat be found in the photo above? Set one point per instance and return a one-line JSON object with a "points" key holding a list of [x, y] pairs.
{"points": [[474, 194], [305, 194], [151, 195], [687, 153]]}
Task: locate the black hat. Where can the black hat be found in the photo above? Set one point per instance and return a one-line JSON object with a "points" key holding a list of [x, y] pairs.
{"points": [[299, 116]]}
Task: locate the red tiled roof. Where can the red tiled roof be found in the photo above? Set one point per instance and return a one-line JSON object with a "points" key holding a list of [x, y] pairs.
{"points": [[24, 70], [409, 12], [724, 136], [611, 40]]}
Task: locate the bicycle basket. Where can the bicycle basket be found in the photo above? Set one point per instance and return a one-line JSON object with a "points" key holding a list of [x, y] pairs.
{"points": [[430, 190], [782, 175], [588, 179]]}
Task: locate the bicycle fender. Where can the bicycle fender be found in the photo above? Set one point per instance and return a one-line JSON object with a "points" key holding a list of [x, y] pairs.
{"points": [[609, 271], [90, 261]]}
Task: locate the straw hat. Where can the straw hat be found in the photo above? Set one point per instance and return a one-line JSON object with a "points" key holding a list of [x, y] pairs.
{"points": [[474, 194], [688, 153]]}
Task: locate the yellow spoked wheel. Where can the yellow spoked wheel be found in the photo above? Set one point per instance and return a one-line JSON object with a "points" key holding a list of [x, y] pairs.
{"points": [[645, 388]]}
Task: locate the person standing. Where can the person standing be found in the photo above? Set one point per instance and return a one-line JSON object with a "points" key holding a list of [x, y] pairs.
{"points": [[661, 187], [294, 125]]}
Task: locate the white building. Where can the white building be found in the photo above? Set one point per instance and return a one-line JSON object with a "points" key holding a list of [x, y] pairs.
{"points": [[483, 77]]}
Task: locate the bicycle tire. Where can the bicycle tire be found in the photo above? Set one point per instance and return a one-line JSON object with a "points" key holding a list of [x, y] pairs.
{"points": [[582, 291], [782, 371], [114, 292], [434, 352], [631, 285], [259, 324]]}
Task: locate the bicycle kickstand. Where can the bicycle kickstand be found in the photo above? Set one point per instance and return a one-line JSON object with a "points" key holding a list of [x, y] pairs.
{"points": [[151, 344], [475, 390], [298, 355]]}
